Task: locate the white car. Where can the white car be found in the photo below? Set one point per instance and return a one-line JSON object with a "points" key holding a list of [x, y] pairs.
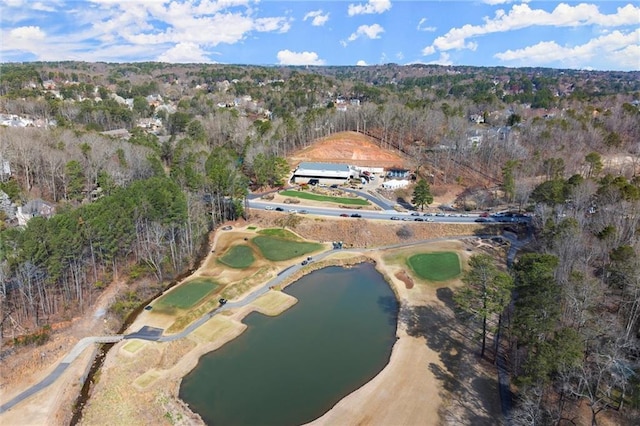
{"points": [[269, 208], [293, 211]]}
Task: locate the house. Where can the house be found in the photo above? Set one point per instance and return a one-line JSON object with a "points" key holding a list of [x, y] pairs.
{"points": [[395, 184], [477, 118], [398, 173], [33, 209]]}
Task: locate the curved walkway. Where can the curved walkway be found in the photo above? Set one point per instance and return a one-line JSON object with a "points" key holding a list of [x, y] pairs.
{"points": [[156, 334]]}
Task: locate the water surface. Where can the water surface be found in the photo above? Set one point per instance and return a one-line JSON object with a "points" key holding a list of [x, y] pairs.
{"points": [[291, 369]]}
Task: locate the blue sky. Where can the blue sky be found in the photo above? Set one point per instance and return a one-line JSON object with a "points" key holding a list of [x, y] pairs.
{"points": [[600, 35]]}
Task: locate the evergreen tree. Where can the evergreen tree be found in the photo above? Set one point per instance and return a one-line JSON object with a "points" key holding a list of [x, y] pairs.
{"points": [[487, 291], [422, 194]]}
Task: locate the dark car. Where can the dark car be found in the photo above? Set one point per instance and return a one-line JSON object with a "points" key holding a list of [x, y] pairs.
{"points": [[279, 209], [482, 219], [344, 215], [415, 214], [222, 301], [304, 262], [356, 215], [148, 308], [395, 218], [419, 219], [334, 186]]}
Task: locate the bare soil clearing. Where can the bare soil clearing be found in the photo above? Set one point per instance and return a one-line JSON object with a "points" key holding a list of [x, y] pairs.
{"points": [[352, 148]]}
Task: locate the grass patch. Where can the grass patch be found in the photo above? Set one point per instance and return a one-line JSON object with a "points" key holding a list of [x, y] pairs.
{"points": [[252, 228], [277, 249], [185, 296], [146, 378], [273, 303], [279, 233], [134, 345], [238, 257], [213, 329], [437, 266], [326, 198], [241, 287]]}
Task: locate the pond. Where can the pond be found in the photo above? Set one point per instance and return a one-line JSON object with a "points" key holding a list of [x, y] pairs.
{"points": [[291, 369]]}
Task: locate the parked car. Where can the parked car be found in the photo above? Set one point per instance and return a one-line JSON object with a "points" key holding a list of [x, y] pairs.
{"points": [[222, 301], [419, 219], [303, 212], [415, 214], [395, 218], [429, 219], [344, 215], [227, 228], [293, 211], [356, 215], [304, 262], [269, 208], [279, 209]]}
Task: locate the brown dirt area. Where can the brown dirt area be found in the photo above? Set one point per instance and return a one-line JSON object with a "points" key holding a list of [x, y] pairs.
{"points": [[350, 147]]}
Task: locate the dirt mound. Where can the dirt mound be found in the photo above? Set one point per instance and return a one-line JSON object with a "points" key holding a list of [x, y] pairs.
{"points": [[352, 148]]}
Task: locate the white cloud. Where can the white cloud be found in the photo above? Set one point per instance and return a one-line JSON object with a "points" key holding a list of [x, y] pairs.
{"points": [[618, 48], [371, 7], [420, 26], [400, 56], [317, 18], [361, 63], [369, 31], [522, 16], [184, 53], [287, 57], [27, 33], [444, 59], [43, 7]]}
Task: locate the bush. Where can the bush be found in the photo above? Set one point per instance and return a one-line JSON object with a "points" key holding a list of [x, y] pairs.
{"points": [[404, 232]]}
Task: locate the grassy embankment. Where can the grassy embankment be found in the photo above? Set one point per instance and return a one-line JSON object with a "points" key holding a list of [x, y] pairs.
{"points": [[326, 198]]}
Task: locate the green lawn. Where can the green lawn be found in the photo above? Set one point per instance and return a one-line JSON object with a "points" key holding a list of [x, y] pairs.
{"points": [[279, 233], [438, 266], [316, 197], [238, 257], [185, 296], [276, 249]]}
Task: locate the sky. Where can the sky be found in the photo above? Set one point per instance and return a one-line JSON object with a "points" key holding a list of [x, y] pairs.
{"points": [[594, 35]]}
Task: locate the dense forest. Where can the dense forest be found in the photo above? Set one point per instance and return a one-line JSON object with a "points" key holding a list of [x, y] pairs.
{"points": [[561, 144]]}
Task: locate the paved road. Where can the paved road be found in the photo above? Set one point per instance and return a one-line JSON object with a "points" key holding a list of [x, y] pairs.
{"points": [[61, 368], [156, 334]]}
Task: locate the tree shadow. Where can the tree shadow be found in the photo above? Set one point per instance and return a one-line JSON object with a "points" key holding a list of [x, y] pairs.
{"points": [[390, 305], [458, 348]]}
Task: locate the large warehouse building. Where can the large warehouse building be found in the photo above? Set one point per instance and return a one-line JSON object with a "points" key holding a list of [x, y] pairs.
{"points": [[327, 173]]}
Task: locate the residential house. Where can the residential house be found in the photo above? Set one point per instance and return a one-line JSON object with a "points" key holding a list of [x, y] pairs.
{"points": [[34, 208]]}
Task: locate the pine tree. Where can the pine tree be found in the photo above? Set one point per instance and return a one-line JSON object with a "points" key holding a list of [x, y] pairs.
{"points": [[422, 194], [487, 291]]}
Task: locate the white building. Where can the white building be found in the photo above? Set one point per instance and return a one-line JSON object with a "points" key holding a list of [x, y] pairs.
{"points": [[328, 173], [395, 184]]}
